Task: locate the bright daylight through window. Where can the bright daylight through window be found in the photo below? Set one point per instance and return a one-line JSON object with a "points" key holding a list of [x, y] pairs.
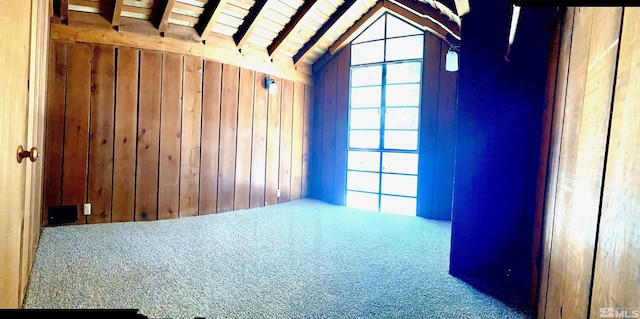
{"points": [[384, 113]]}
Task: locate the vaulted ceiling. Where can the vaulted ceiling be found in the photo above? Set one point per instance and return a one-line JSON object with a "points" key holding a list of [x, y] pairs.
{"points": [[295, 30]]}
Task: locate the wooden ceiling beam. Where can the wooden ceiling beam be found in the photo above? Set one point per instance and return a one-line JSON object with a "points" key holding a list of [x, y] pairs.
{"points": [[223, 51], [250, 22], [117, 13], [364, 22], [163, 22], [419, 20], [426, 10], [282, 38], [64, 11], [462, 7], [323, 30], [209, 17]]}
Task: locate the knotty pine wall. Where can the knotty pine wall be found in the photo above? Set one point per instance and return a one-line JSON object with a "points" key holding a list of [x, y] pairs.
{"points": [[591, 228], [437, 131], [146, 135]]}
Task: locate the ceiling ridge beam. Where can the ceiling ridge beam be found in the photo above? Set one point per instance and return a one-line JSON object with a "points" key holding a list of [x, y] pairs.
{"points": [[117, 13], [209, 17], [163, 22], [419, 20], [324, 29], [364, 22], [250, 22], [282, 38], [425, 10]]}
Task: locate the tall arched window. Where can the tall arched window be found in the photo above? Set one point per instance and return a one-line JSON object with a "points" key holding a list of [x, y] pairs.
{"points": [[384, 113]]}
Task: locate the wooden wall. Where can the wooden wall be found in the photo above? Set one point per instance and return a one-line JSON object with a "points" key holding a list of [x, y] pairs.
{"points": [[145, 135], [591, 238], [437, 131]]}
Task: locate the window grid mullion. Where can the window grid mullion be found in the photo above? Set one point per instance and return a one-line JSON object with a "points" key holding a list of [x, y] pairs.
{"points": [[382, 112]]}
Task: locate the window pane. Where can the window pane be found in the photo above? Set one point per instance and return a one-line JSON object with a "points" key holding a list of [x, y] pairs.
{"points": [[403, 95], [362, 201], [369, 52], [404, 72], [364, 139], [365, 118], [373, 32], [402, 163], [401, 118], [401, 140], [365, 97], [362, 181], [398, 205], [397, 27], [370, 75], [404, 48], [364, 161], [406, 185]]}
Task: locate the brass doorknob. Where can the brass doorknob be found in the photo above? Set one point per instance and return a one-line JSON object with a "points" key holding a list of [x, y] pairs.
{"points": [[32, 155]]}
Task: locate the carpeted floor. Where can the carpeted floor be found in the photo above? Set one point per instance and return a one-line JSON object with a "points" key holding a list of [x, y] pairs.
{"points": [[302, 259]]}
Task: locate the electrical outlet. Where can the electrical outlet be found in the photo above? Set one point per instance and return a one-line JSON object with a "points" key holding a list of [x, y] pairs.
{"points": [[87, 209], [278, 193]]}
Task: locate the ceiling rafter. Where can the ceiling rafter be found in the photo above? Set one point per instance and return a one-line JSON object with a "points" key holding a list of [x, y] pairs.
{"points": [[277, 43], [425, 10], [365, 21], [209, 17], [250, 22], [117, 12], [323, 30], [163, 23]]}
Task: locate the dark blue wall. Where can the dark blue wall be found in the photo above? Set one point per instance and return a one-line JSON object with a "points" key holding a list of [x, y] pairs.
{"points": [[497, 143]]}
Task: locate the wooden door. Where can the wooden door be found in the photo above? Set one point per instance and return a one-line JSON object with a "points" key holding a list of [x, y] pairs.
{"points": [[22, 63]]}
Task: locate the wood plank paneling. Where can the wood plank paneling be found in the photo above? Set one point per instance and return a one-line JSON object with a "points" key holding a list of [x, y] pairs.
{"points": [[175, 136], [57, 82], [76, 135], [558, 106], [101, 134], [286, 124], [428, 124], [341, 124], [617, 265], [306, 143], [170, 136], [273, 146], [191, 128], [329, 131], [584, 139], [259, 142], [315, 174], [148, 136], [243, 140], [124, 150], [297, 138], [212, 84], [568, 157], [228, 125]]}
